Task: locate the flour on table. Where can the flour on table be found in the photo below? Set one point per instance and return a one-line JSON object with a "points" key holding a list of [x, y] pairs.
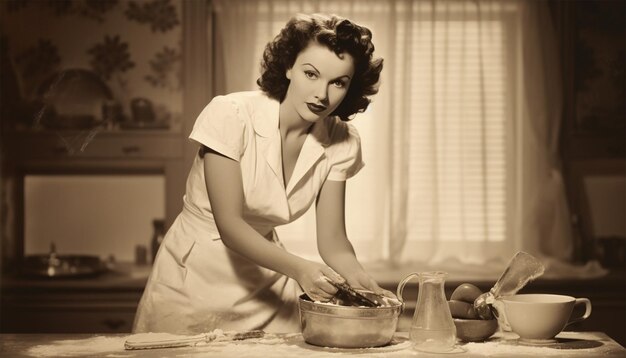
{"points": [[79, 347], [151, 337], [502, 349], [293, 345]]}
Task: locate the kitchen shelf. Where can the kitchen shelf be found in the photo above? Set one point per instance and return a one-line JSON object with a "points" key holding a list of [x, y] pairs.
{"points": [[70, 145]]}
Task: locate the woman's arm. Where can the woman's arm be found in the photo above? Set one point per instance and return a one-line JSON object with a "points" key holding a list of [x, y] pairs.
{"points": [[225, 189], [332, 241]]}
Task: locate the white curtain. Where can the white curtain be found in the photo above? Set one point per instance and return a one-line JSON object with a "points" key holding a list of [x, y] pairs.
{"points": [[460, 144], [545, 215]]}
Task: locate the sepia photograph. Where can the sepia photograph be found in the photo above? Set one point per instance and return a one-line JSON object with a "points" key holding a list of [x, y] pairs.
{"points": [[302, 178]]}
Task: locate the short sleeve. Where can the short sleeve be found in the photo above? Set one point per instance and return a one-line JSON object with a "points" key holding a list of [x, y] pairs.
{"points": [[221, 128], [346, 159]]}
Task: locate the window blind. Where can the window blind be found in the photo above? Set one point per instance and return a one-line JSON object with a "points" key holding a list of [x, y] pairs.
{"points": [[457, 130]]}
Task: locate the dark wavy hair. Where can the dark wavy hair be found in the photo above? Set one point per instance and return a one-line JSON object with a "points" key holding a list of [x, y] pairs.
{"points": [[339, 35]]}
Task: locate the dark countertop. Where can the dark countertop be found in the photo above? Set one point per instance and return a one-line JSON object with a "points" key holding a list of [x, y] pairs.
{"points": [[570, 344], [125, 277]]}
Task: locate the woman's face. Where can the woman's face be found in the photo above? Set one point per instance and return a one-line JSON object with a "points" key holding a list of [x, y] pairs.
{"points": [[319, 81]]}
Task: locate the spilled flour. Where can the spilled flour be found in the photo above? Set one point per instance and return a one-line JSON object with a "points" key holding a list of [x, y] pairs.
{"points": [[292, 345], [95, 346], [504, 349]]}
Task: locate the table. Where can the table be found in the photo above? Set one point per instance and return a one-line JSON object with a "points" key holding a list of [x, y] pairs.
{"points": [[570, 344]]}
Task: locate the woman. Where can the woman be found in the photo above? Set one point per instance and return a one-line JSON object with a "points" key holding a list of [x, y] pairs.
{"points": [[265, 157]]}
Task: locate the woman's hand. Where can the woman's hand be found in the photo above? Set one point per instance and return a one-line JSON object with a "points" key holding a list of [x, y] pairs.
{"points": [[361, 280], [314, 279]]}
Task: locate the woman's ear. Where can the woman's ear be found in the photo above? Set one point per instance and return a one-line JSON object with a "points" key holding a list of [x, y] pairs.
{"points": [[288, 74]]}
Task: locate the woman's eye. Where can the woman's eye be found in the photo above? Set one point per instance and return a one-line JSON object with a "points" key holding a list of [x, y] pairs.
{"points": [[339, 84], [310, 74]]}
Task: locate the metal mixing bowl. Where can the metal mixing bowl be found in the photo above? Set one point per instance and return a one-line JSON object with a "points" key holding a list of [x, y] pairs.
{"points": [[329, 325]]}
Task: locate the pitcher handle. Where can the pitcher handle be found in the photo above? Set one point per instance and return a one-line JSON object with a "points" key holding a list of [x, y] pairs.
{"points": [[587, 310], [402, 283]]}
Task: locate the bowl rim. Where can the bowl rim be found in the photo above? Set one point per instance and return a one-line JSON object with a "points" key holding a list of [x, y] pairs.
{"points": [[473, 320], [547, 298], [311, 307]]}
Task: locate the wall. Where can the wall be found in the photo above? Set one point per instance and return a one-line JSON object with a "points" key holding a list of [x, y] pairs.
{"points": [[134, 47], [117, 217], [120, 51], [594, 118]]}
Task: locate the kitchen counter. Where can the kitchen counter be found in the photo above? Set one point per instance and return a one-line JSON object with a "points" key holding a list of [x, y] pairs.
{"points": [[124, 277], [107, 303], [570, 344]]}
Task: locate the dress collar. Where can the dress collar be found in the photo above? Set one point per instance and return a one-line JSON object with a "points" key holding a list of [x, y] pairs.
{"points": [[265, 123], [265, 117], [266, 120]]}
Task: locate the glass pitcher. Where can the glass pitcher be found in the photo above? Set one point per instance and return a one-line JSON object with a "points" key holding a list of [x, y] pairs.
{"points": [[432, 328]]}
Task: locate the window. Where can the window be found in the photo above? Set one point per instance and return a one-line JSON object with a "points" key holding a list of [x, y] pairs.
{"points": [[438, 140], [457, 73]]}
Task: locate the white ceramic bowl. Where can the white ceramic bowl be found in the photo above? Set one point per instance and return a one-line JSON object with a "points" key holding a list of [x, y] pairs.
{"points": [[541, 316]]}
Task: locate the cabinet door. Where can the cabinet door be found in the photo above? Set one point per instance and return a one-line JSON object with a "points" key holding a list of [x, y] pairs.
{"points": [[55, 320], [69, 313]]}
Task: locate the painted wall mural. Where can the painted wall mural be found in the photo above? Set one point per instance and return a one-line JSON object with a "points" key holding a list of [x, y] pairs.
{"points": [[133, 48]]}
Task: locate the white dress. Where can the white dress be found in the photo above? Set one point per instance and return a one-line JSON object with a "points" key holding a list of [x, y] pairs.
{"points": [[197, 284]]}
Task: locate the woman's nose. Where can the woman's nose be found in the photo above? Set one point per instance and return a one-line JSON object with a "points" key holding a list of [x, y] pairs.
{"points": [[321, 93]]}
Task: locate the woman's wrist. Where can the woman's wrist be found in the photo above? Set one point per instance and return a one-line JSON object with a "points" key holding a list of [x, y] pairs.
{"points": [[346, 264], [295, 267]]}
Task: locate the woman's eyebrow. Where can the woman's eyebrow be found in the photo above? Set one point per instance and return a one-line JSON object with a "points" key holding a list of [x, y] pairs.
{"points": [[315, 68]]}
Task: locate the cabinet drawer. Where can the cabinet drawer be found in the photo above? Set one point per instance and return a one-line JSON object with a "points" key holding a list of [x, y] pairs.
{"points": [[103, 147], [75, 312]]}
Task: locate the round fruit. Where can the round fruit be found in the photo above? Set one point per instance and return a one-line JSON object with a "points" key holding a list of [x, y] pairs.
{"points": [[475, 330], [466, 292], [460, 309]]}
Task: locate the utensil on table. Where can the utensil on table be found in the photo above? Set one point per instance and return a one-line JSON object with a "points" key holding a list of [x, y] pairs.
{"points": [[356, 298], [152, 340]]}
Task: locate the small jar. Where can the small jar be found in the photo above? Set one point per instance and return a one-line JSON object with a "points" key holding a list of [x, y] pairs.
{"points": [[157, 236]]}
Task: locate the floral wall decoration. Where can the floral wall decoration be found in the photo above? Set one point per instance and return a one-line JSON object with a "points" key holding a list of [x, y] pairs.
{"points": [[164, 72], [134, 47], [160, 14], [110, 56], [93, 9], [37, 62]]}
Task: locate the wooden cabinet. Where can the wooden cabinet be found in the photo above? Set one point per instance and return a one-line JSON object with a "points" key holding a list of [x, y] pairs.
{"points": [[94, 312], [103, 304]]}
